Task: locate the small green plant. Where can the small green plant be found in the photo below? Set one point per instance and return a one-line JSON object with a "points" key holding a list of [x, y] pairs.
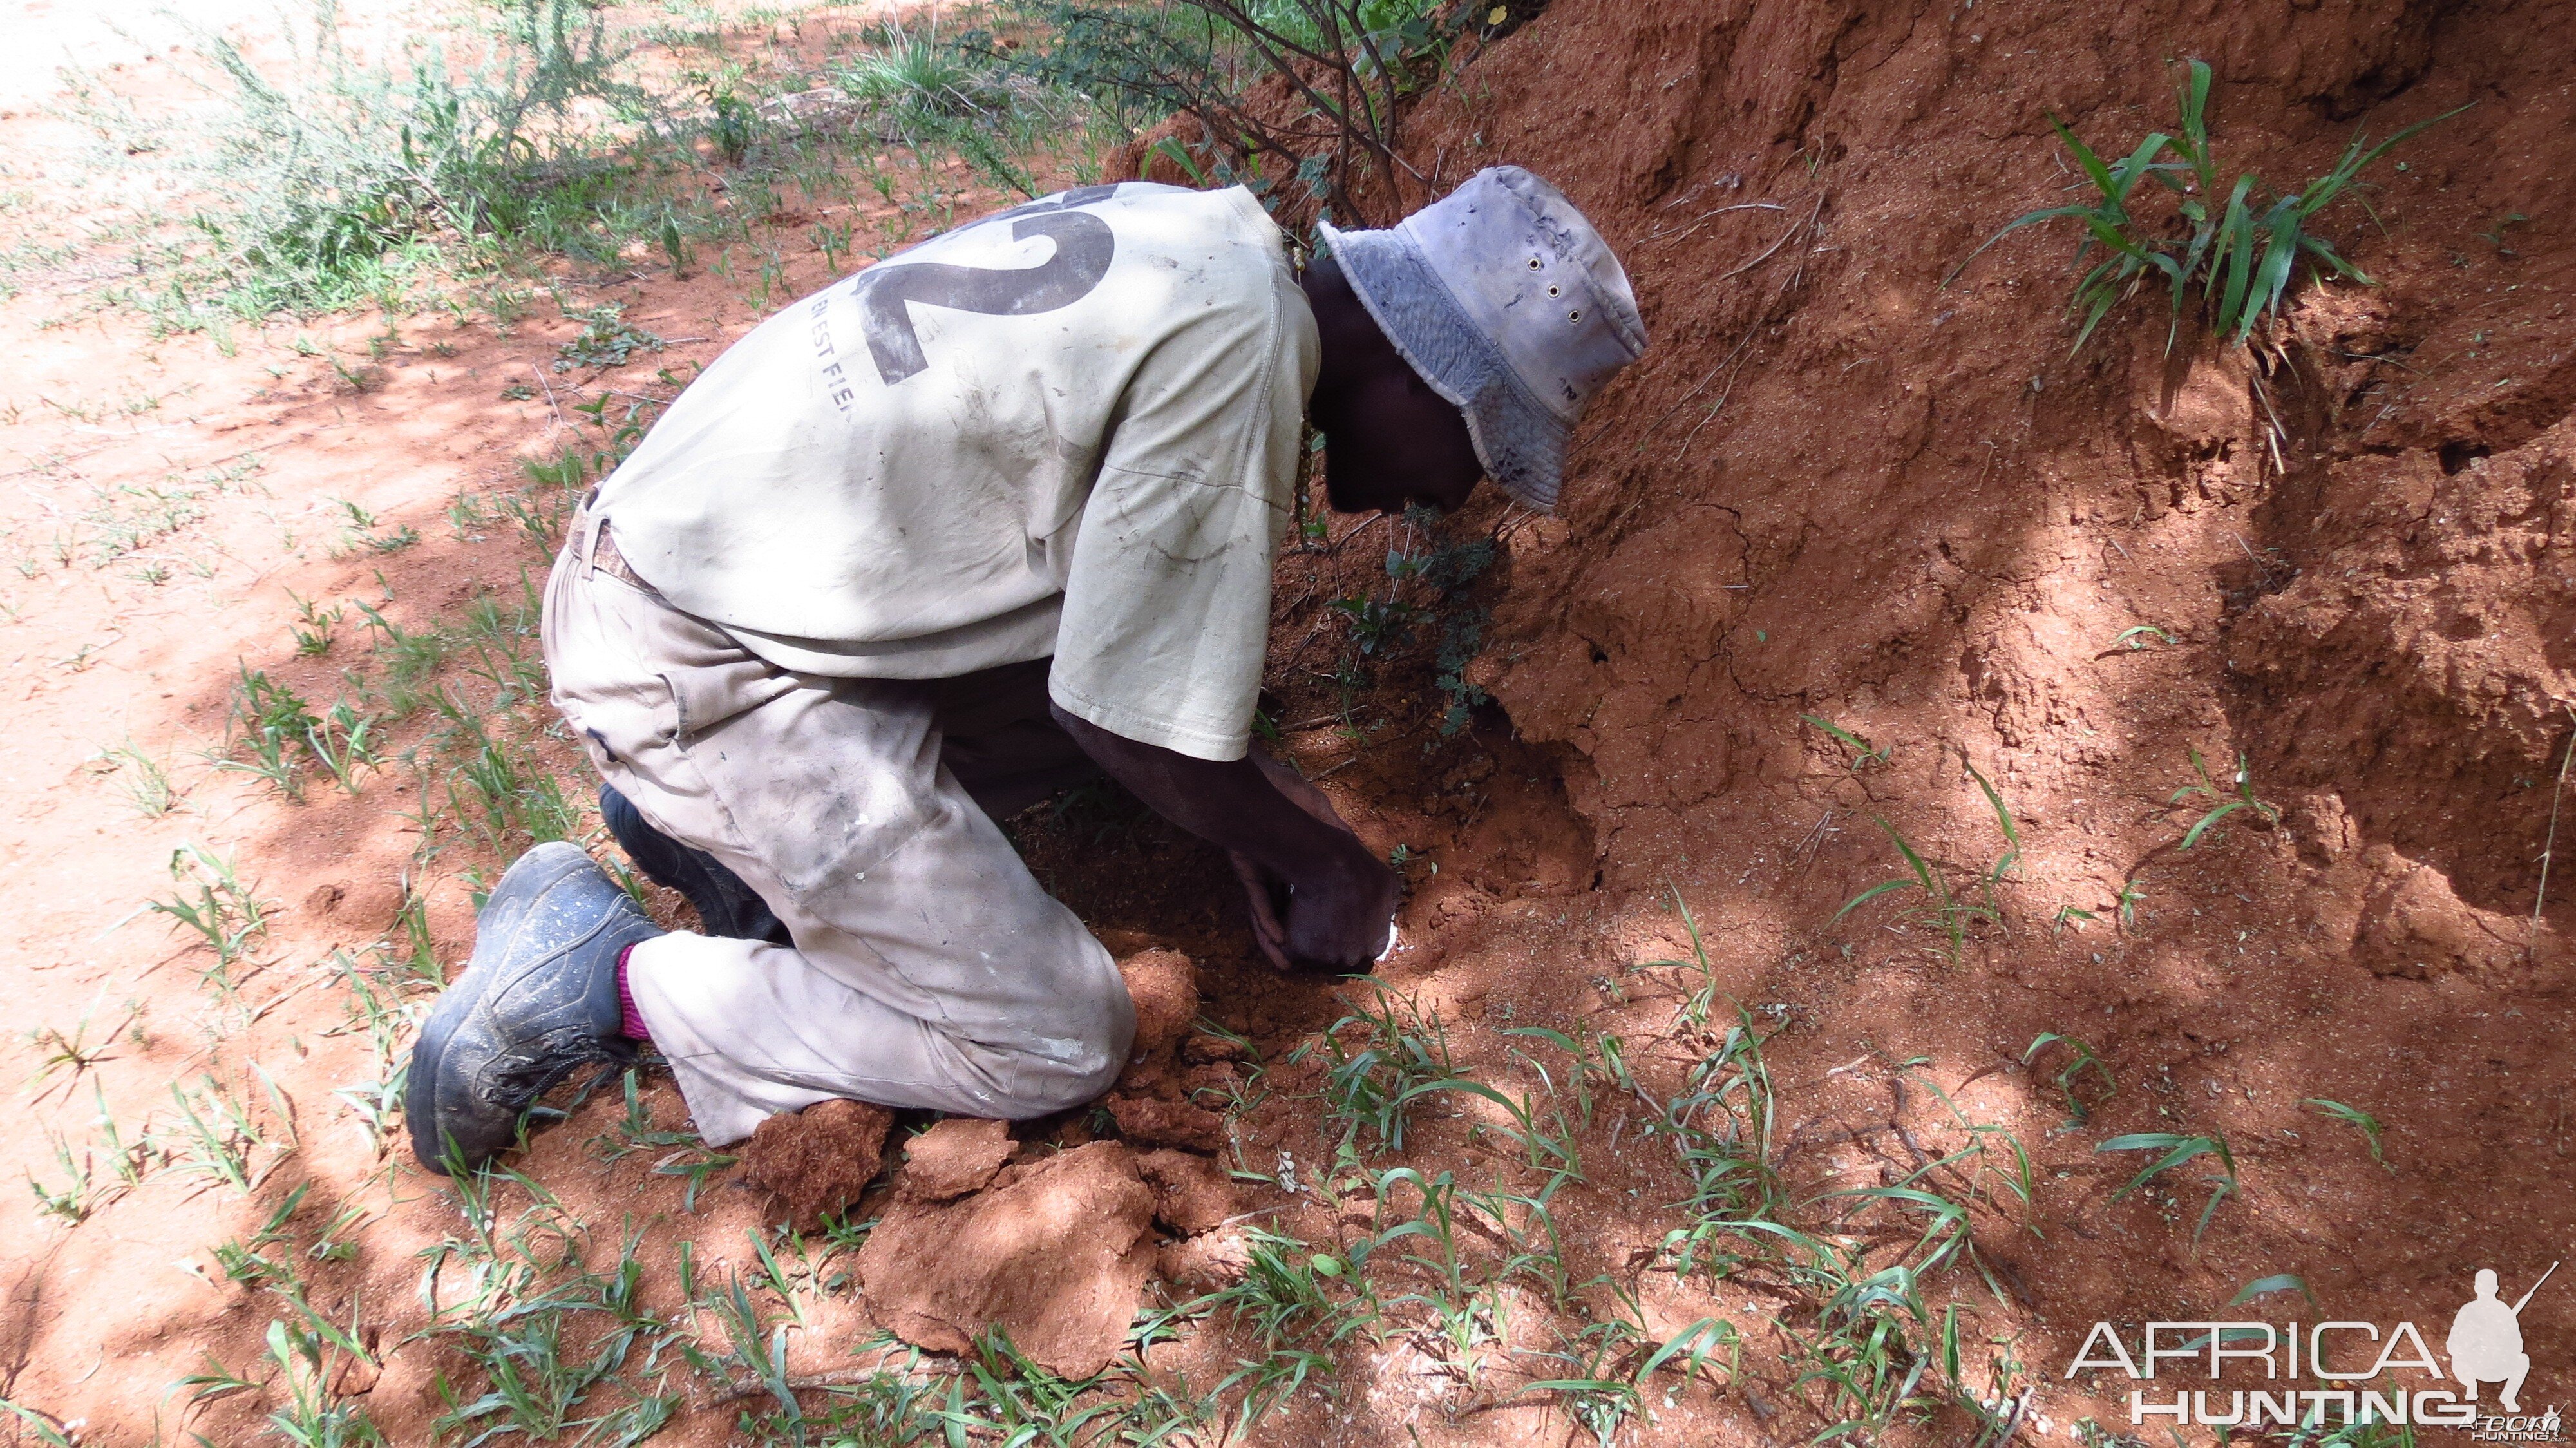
{"points": [[499, 793], [79, 1194], [1696, 978], [312, 628], [212, 901], [1284, 1297], [309, 1354], [219, 1136], [1720, 1126], [50, 1431], [605, 339], [2225, 800], [684, 1154], [245, 1263], [332, 178], [1375, 623], [2138, 637], [2238, 257], [2177, 1150], [57, 1050], [1378, 1062], [2266, 1286], [405, 660], [2080, 1059], [141, 779], [1863, 753], [268, 720], [2356, 1118], [344, 742], [913, 71], [1945, 909]]}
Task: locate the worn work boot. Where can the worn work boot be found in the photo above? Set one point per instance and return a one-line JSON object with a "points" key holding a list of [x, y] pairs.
{"points": [[726, 906], [538, 1002]]}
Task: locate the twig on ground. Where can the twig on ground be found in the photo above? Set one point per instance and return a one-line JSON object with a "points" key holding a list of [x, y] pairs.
{"points": [[550, 394], [1702, 219], [1791, 231], [1726, 364], [2549, 846], [747, 1388]]}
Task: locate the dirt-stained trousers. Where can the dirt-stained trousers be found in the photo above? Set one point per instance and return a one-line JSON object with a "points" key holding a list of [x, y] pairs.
{"points": [[929, 968]]}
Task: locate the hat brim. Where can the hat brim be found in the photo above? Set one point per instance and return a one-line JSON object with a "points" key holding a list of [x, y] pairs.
{"points": [[1521, 443]]}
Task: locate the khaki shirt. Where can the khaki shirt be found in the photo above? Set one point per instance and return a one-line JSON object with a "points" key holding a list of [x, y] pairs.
{"points": [[1070, 428]]}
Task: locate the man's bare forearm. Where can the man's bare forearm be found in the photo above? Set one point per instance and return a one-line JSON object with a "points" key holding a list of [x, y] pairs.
{"points": [[1232, 805]]}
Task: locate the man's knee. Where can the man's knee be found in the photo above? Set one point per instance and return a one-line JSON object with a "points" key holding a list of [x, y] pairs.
{"points": [[1074, 1057]]}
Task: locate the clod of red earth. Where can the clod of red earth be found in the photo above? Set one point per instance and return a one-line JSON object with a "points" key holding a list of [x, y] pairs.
{"points": [[1150, 1121], [1148, 1103], [957, 1156], [1207, 1262], [1191, 1193], [1056, 1256], [818, 1160], [1164, 985], [1207, 1050], [2414, 925]]}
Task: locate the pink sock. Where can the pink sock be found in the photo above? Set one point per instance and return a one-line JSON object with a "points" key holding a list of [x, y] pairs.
{"points": [[632, 1027]]}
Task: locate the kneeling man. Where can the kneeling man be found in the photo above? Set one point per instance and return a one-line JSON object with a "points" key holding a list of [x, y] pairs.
{"points": [[992, 516]]}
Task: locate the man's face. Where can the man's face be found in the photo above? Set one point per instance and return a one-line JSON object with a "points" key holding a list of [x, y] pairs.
{"points": [[1396, 444], [1373, 492], [1390, 441]]}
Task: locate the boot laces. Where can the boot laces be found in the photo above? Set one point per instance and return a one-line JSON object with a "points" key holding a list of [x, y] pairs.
{"points": [[516, 1080]]}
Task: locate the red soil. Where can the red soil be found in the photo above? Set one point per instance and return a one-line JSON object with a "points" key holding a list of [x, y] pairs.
{"points": [[819, 1161]]}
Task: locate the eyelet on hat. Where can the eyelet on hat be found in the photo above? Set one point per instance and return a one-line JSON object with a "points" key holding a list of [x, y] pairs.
{"points": [[1575, 316], [1555, 290], [1534, 263]]}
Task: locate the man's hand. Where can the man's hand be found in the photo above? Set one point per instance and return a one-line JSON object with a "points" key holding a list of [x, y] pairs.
{"points": [[1319, 897], [1275, 917]]}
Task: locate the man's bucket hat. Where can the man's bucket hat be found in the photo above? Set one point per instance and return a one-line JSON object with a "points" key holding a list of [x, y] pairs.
{"points": [[1509, 305]]}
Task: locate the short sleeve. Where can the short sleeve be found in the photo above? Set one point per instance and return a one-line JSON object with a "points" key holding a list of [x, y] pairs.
{"points": [[1167, 596]]}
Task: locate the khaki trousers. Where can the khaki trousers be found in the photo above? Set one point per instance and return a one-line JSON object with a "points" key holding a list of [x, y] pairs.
{"points": [[929, 968]]}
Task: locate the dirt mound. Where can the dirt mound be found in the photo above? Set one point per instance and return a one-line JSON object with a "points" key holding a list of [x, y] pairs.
{"points": [[819, 1160], [957, 1156], [1055, 1254], [1205, 1263], [1152, 1102], [1191, 1193], [1165, 987], [2416, 657]]}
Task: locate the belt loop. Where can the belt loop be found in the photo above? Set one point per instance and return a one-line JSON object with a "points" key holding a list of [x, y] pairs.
{"points": [[585, 533]]}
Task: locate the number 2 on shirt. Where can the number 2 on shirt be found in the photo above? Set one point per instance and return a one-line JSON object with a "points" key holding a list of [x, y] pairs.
{"points": [[1084, 246]]}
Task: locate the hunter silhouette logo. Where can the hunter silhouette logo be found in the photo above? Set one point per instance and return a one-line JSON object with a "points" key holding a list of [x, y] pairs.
{"points": [[2486, 1344], [2273, 1362]]}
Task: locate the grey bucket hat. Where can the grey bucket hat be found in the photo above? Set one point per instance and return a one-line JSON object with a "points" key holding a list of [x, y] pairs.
{"points": [[1508, 304]]}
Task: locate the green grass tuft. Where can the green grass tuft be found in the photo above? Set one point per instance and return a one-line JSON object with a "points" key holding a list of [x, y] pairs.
{"points": [[2232, 260]]}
